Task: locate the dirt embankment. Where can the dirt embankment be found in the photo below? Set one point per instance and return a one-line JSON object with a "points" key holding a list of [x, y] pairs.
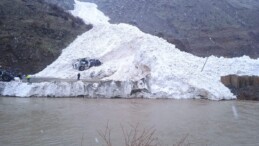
{"points": [[33, 33], [244, 87]]}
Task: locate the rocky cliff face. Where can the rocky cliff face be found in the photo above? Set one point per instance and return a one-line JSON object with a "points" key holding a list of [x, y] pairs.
{"points": [[202, 27], [33, 33], [244, 87]]}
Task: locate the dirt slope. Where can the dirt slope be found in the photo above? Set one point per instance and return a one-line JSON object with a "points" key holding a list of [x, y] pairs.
{"points": [[33, 33]]}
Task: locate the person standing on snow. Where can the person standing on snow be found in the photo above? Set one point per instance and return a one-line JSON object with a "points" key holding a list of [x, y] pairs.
{"points": [[28, 77], [78, 76]]}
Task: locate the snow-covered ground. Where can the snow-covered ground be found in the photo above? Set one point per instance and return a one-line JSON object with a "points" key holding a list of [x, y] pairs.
{"points": [[129, 55]]}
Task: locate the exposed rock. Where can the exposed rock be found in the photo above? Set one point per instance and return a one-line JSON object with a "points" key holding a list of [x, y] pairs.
{"points": [[244, 87]]}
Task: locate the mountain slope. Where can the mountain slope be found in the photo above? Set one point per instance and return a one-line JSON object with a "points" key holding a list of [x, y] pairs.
{"points": [[134, 64], [129, 55], [65, 4], [202, 27], [33, 33]]}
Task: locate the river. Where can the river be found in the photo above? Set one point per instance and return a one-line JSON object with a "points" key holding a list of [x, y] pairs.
{"points": [[76, 121]]}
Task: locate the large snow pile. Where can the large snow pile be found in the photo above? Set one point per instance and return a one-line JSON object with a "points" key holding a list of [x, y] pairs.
{"points": [[131, 55]]}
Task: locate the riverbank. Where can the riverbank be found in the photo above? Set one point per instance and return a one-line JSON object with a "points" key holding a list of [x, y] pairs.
{"points": [[243, 87], [54, 87]]}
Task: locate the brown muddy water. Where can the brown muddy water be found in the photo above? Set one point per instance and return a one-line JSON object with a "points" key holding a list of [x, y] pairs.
{"points": [[76, 121]]}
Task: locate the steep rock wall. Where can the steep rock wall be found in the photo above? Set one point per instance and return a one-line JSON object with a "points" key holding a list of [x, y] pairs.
{"points": [[244, 87]]}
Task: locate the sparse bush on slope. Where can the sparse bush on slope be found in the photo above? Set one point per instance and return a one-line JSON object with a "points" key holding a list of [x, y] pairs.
{"points": [[33, 33]]}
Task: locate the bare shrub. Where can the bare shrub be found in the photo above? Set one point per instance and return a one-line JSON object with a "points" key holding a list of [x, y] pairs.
{"points": [[183, 142], [106, 135], [137, 136]]}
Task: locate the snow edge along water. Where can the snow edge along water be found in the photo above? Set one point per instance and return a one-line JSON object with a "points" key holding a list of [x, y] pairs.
{"points": [[135, 64]]}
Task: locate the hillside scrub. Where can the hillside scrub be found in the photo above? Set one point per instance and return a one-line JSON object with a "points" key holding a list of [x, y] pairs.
{"points": [[34, 32]]}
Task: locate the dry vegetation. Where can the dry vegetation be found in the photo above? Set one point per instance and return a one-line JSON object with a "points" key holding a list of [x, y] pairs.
{"points": [[33, 33], [135, 135]]}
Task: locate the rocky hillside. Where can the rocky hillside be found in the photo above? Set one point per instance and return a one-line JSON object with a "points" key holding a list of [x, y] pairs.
{"points": [[33, 33], [201, 27], [65, 4]]}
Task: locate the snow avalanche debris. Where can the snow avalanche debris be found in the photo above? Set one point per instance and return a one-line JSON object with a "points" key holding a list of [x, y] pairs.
{"points": [[128, 56]]}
